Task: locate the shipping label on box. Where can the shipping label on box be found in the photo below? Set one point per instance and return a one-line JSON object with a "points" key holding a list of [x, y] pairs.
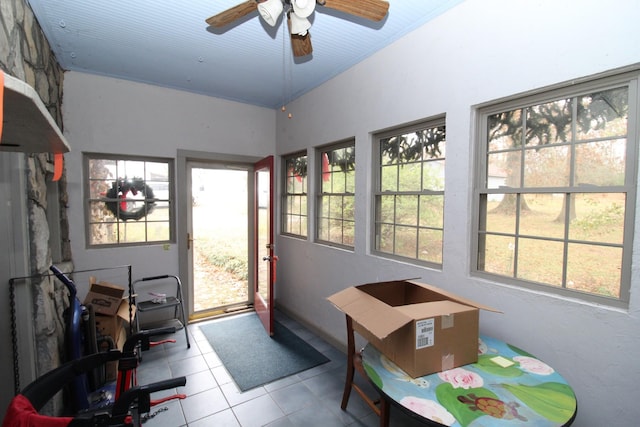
{"points": [[105, 297], [421, 328]]}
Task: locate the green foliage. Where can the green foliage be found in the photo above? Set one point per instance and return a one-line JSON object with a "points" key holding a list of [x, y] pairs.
{"points": [[230, 263], [598, 219]]}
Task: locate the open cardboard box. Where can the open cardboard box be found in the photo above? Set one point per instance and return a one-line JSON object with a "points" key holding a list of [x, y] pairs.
{"points": [[105, 297], [421, 328]]}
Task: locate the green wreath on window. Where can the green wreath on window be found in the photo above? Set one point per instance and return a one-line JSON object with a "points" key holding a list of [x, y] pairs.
{"points": [[119, 206]]}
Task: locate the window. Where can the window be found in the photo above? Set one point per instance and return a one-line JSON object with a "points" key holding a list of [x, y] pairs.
{"points": [[129, 200], [556, 194], [336, 182], [409, 197], [294, 198]]}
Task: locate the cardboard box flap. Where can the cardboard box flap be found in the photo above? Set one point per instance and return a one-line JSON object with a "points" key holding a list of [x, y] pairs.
{"points": [[455, 297], [108, 289], [433, 309], [372, 314]]}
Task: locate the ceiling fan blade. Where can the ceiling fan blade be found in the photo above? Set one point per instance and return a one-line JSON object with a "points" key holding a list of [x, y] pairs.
{"points": [[230, 15], [373, 10], [301, 45]]}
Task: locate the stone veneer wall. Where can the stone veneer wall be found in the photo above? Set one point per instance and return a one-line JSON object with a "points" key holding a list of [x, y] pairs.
{"points": [[25, 54]]}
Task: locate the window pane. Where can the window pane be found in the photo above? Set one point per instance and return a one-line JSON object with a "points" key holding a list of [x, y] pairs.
{"points": [[131, 169], [540, 261], [160, 212], [433, 175], [350, 182], [603, 114], [549, 123], [157, 231], [385, 238], [131, 232], [601, 162], [348, 205], [431, 211], [98, 188], [504, 169], [101, 168], [598, 217], [406, 241], [323, 229], [499, 255], [410, 177], [156, 171], [102, 234], [587, 272], [430, 245], [349, 233], [501, 213], [542, 215], [407, 210], [547, 167], [504, 130], [389, 178], [389, 151], [386, 209]]}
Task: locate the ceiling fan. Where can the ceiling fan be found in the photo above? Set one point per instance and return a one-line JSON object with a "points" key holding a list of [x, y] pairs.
{"points": [[296, 13]]}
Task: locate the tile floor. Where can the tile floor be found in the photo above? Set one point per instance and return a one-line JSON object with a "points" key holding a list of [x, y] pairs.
{"points": [[309, 398]]}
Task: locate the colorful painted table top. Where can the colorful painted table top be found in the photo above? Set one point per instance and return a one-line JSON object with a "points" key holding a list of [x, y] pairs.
{"points": [[506, 387]]}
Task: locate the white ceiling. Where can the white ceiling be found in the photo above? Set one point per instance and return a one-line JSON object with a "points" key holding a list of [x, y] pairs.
{"points": [[168, 43]]}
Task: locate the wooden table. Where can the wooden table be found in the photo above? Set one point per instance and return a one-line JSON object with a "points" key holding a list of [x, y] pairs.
{"points": [[506, 387]]}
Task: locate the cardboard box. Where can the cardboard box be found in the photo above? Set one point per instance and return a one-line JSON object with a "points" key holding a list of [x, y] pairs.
{"points": [[105, 297], [114, 325], [421, 328]]}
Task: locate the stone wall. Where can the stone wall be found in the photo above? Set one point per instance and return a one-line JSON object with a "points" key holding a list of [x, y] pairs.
{"points": [[25, 54]]}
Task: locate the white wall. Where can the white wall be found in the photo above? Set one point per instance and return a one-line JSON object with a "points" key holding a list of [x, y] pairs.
{"points": [[105, 115], [479, 51]]}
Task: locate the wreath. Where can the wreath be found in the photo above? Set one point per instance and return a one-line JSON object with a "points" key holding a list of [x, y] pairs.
{"points": [[118, 204]]}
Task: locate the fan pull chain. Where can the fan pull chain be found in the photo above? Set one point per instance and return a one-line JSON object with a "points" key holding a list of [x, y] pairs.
{"points": [[284, 65]]}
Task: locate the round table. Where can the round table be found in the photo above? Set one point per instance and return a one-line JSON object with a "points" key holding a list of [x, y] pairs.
{"points": [[506, 387]]}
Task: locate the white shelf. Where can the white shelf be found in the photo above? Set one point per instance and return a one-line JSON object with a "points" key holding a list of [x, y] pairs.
{"points": [[27, 125]]}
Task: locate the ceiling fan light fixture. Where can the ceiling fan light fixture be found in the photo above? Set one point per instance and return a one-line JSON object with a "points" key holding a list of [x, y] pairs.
{"points": [[270, 10], [299, 25], [303, 8]]}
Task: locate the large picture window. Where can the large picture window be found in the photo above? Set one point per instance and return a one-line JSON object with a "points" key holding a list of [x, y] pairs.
{"points": [[294, 196], [336, 181], [129, 200], [409, 197], [556, 194]]}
